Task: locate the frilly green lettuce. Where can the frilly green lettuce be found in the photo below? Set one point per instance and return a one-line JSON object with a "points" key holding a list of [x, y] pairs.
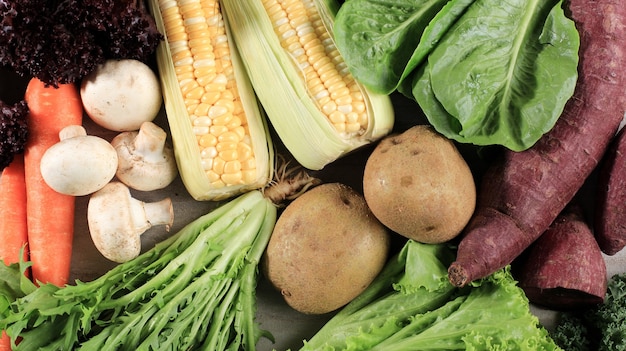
{"points": [[412, 306]]}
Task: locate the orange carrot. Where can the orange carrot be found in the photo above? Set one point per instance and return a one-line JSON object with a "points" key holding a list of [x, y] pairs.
{"points": [[50, 214], [5, 342], [13, 232]]}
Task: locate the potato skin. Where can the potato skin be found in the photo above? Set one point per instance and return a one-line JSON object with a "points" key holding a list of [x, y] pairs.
{"points": [[326, 248], [418, 184]]}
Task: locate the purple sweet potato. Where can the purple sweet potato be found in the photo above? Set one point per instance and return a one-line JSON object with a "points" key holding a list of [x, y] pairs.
{"points": [[564, 268], [524, 192], [610, 214]]}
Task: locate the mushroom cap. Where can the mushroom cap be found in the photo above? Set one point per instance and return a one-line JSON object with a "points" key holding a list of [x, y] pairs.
{"points": [[79, 165], [121, 94]]}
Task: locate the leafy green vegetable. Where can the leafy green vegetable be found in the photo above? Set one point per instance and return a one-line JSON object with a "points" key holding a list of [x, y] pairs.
{"points": [[571, 334], [483, 71], [502, 74], [383, 41], [63, 41], [193, 291], [14, 283], [600, 328], [412, 306]]}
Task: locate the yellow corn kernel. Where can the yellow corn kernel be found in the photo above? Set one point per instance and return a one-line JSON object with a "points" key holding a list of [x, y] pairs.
{"points": [[207, 140], [238, 129], [244, 151], [176, 46], [191, 106], [238, 108], [202, 109], [232, 178], [213, 177], [210, 96], [195, 93], [229, 155], [218, 165], [179, 36], [337, 117], [226, 146], [174, 21], [232, 166], [200, 56], [228, 104], [218, 184], [204, 77], [202, 121], [185, 77], [229, 137], [248, 164], [215, 87], [235, 123], [218, 129], [248, 175]]}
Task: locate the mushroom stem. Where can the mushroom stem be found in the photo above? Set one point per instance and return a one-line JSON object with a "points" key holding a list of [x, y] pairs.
{"points": [[160, 212], [150, 142], [71, 131]]}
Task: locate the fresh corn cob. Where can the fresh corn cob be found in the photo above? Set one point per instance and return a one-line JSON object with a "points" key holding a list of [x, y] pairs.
{"points": [[218, 128], [316, 107]]}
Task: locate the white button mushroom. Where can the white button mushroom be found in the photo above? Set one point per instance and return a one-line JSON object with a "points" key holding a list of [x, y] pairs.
{"points": [[121, 94], [145, 161], [116, 220], [79, 164]]}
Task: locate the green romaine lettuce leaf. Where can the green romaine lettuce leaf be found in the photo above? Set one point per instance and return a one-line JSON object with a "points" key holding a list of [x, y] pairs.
{"points": [[383, 41], [502, 73], [485, 72]]}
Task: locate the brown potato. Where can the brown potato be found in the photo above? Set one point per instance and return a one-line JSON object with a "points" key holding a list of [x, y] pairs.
{"points": [[326, 248], [418, 184]]}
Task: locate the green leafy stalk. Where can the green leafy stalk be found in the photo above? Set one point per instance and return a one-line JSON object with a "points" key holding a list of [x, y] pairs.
{"points": [[195, 290], [412, 306]]}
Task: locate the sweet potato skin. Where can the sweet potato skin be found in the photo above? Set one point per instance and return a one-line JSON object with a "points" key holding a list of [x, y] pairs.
{"points": [[522, 193], [564, 269], [610, 206]]}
